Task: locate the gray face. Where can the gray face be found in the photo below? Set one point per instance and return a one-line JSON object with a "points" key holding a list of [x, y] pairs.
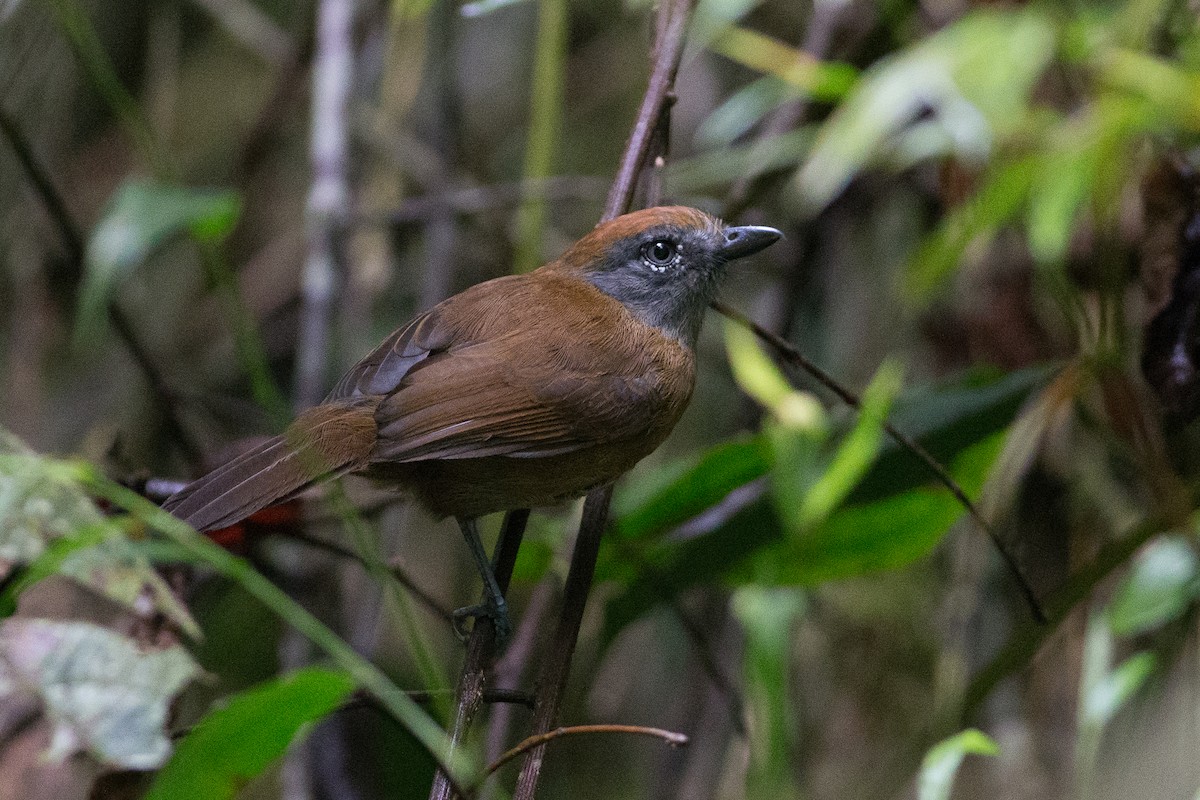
{"points": [[668, 274]]}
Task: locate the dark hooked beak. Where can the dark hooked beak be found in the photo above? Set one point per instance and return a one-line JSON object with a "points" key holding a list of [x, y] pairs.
{"points": [[746, 240]]}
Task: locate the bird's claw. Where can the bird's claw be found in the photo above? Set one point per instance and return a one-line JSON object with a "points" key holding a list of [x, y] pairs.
{"points": [[497, 612]]}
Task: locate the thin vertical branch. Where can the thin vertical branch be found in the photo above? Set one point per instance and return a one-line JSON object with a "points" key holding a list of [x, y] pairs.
{"points": [[557, 666], [668, 51], [481, 648], [649, 129], [329, 198]]}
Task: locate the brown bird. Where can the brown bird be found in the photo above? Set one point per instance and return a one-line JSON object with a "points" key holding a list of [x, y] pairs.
{"points": [[522, 391]]}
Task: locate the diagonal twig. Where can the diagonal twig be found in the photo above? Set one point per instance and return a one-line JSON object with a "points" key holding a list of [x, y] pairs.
{"points": [[72, 238], [786, 351], [481, 649], [538, 740]]}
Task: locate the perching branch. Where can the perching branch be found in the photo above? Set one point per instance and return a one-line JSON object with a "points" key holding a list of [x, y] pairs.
{"points": [[650, 127], [674, 15], [552, 680], [481, 649]]}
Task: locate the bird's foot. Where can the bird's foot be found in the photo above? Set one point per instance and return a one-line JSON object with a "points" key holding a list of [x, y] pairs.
{"points": [[496, 611]]}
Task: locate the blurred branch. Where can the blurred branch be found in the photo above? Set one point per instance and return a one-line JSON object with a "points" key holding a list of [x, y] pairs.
{"points": [[545, 124], [788, 353], [161, 394], [484, 198], [716, 675], [89, 51], [670, 737], [1027, 639], [481, 649], [393, 566], [246, 23], [333, 76], [288, 85]]}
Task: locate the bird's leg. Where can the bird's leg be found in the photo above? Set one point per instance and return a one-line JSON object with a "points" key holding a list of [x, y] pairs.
{"points": [[493, 604]]}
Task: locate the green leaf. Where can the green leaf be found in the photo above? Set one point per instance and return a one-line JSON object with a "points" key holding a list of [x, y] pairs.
{"points": [[974, 79], [758, 377], [742, 110], [139, 218], [1159, 588], [1111, 692], [857, 452], [941, 763], [718, 472], [237, 741], [729, 517], [767, 617], [103, 694], [50, 525], [718, 167], [887, 534]]}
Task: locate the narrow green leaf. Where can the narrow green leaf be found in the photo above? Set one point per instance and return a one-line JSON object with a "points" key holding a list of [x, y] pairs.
{"points": [[886, 534], [941, 763], [545, 126], [139, 218], [1159, 588], [1115, 689], [237, 741], [857, 451], [758, 376]]}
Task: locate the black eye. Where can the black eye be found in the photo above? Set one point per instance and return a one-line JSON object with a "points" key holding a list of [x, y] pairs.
{"points": [[661, 253]]}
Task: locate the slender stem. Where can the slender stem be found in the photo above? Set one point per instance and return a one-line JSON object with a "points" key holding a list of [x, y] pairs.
{"points": [[89, 51], [546, 109], [792, 356], [481, 650], [668, 51], [556, 668], [538, 740]]}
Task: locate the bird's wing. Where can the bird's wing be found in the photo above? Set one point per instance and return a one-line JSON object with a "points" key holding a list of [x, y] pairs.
{"points": [[381, 371], [474, 402]]}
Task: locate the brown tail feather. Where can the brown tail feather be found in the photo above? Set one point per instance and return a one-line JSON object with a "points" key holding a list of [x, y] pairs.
{"points": [[324, 441]]}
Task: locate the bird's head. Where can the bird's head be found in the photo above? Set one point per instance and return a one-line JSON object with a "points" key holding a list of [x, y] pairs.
{"points": [[663, 263]]}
